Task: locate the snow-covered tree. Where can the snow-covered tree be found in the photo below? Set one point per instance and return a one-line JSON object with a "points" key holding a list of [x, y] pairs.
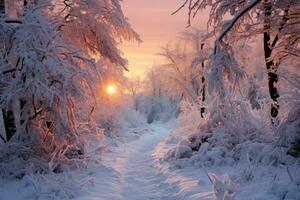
{"points": [[134, 88], [180, 75], [48, 70], [232, 20], [158, 99], [200, 53], [95, 26], [186, 65], [42, 79]]}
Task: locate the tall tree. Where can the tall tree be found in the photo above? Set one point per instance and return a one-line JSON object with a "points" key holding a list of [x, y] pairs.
{"points": [[47, 75], [200, 55], [250, 18], [180, 76], [203, 86]]}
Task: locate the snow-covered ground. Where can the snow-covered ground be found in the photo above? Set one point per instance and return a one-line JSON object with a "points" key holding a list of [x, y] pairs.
{"points": [[138, 173], [138, 170], [129, 171]]}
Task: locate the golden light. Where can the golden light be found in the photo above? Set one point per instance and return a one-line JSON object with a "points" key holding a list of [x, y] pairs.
{"points": [[111, 89]]}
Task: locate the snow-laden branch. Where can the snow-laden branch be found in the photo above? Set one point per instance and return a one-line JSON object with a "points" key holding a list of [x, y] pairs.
{"points": [[233, 21]]}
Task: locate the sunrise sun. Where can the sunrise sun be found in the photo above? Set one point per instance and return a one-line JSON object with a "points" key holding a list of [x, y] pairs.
{"points": [[111, 89]]}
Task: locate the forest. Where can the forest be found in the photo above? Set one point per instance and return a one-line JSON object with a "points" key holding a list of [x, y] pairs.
{"points": [[217, 115]]}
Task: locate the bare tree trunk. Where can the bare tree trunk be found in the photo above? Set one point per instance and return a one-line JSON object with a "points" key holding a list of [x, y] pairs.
{"points": [[271, 66], [9, 123], [2, 6], [203, 87]]}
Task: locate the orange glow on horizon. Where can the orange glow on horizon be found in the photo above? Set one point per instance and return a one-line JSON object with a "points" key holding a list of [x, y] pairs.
{"points": [[153, 21]]}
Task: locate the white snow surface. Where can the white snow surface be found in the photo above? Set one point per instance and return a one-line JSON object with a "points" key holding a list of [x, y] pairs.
{"points": [[137, 170], [128, 171], [137, 173]]}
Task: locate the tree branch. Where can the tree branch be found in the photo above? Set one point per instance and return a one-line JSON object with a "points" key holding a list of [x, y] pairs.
{"points": [[234, 20], [3, 139], [13, 21], [173, 13], [284, 20]]}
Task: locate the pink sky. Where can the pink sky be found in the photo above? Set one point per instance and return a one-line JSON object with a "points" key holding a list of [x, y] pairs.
{"points": [[152, 19]]}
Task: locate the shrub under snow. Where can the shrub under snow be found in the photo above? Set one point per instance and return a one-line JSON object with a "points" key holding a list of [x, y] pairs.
{"points": [[235, 136], [231, 134]]}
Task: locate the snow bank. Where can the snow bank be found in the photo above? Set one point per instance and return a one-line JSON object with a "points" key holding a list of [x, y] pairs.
{"points": [[244, 146]]}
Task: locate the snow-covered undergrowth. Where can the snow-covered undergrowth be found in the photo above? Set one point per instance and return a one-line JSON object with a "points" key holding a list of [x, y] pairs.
{"points": [[158, 108], [243, 144], [128, 125], [26, 171]]}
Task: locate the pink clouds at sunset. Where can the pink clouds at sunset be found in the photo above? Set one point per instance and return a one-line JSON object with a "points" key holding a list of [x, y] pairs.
{"points": [[154, 22]]}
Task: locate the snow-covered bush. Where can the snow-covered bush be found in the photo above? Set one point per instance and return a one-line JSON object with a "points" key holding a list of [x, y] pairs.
{"points": [[158, 108], [223, 189], [130, 118], [190, 116], [155, 100], [233, 132], [289, 129]]}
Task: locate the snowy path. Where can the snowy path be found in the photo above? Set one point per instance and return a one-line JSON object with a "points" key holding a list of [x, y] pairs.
{"points": [[138, 174], [133, 171]]}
